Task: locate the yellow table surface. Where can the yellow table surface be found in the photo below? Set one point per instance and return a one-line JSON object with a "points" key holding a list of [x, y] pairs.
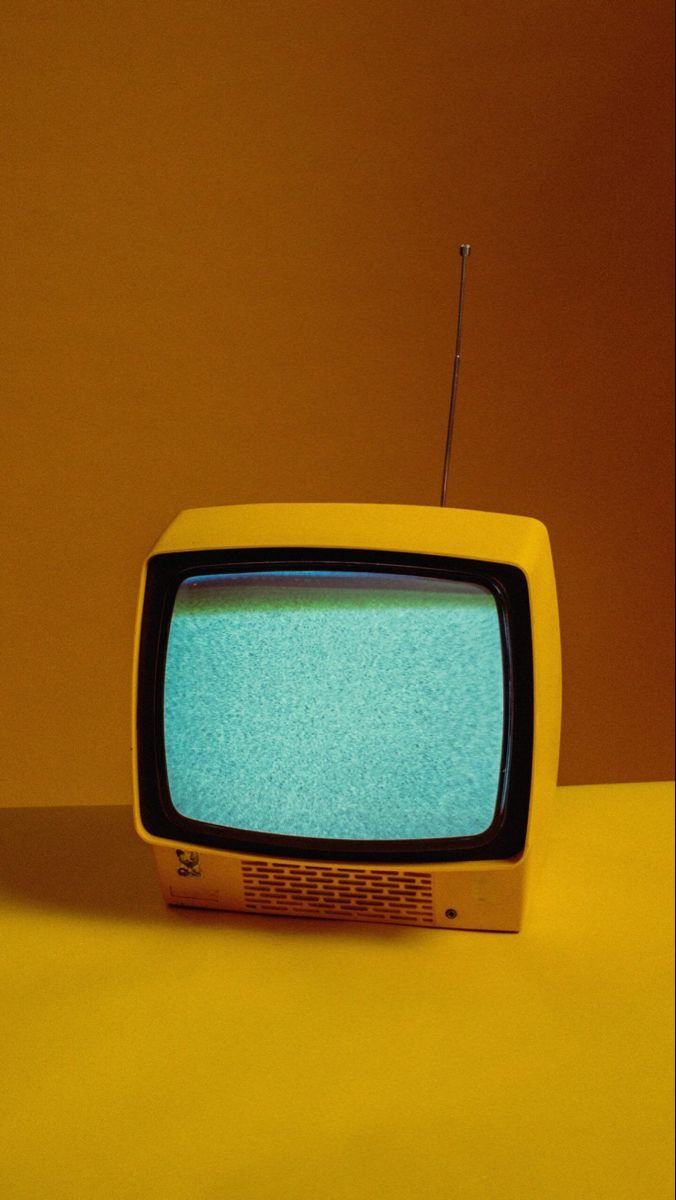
{"points": [[178, 1053]]}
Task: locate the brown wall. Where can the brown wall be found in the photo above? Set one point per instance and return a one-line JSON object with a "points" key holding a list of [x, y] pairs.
{"points": [[231, 274]]}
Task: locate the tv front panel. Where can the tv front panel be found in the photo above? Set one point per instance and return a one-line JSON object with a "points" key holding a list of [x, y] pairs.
{"points": [[346, 710]]}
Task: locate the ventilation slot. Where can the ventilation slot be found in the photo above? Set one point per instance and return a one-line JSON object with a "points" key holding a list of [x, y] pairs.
{"points": [[340, 892]]}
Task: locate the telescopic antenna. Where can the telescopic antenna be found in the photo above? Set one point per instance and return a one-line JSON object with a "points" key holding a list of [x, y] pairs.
{"points": [[464, 255]]}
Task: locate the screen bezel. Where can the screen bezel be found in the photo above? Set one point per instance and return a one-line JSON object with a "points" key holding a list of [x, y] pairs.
{"points": [[506, 836]]}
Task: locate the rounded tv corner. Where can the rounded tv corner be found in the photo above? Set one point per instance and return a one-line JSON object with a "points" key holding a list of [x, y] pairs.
{"points": [[354, 683]]}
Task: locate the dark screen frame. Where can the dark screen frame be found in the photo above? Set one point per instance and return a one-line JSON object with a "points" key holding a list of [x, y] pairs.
{"points": [[506, 836]]}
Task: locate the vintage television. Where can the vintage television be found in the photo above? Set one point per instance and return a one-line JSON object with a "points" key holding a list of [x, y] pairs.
{"points": [[347, 711]]}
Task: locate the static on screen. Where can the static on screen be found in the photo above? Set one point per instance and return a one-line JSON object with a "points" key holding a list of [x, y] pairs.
{"points": [[335, 704]]}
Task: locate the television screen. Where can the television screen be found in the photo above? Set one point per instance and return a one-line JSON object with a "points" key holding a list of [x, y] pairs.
{"points": [[343, 703], [335, 703]]}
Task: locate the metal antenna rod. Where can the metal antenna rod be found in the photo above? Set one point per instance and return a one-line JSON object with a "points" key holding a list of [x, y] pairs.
{"points": [[464, 254]]}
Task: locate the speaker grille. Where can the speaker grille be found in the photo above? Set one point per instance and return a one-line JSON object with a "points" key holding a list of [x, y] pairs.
{"points": [[345, 893]]}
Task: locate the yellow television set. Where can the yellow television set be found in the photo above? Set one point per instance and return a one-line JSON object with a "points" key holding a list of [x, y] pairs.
{"points": [[347, 711]]}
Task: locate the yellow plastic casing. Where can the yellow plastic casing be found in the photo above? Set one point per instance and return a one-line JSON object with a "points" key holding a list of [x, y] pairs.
{"points": [[462, 895]]}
